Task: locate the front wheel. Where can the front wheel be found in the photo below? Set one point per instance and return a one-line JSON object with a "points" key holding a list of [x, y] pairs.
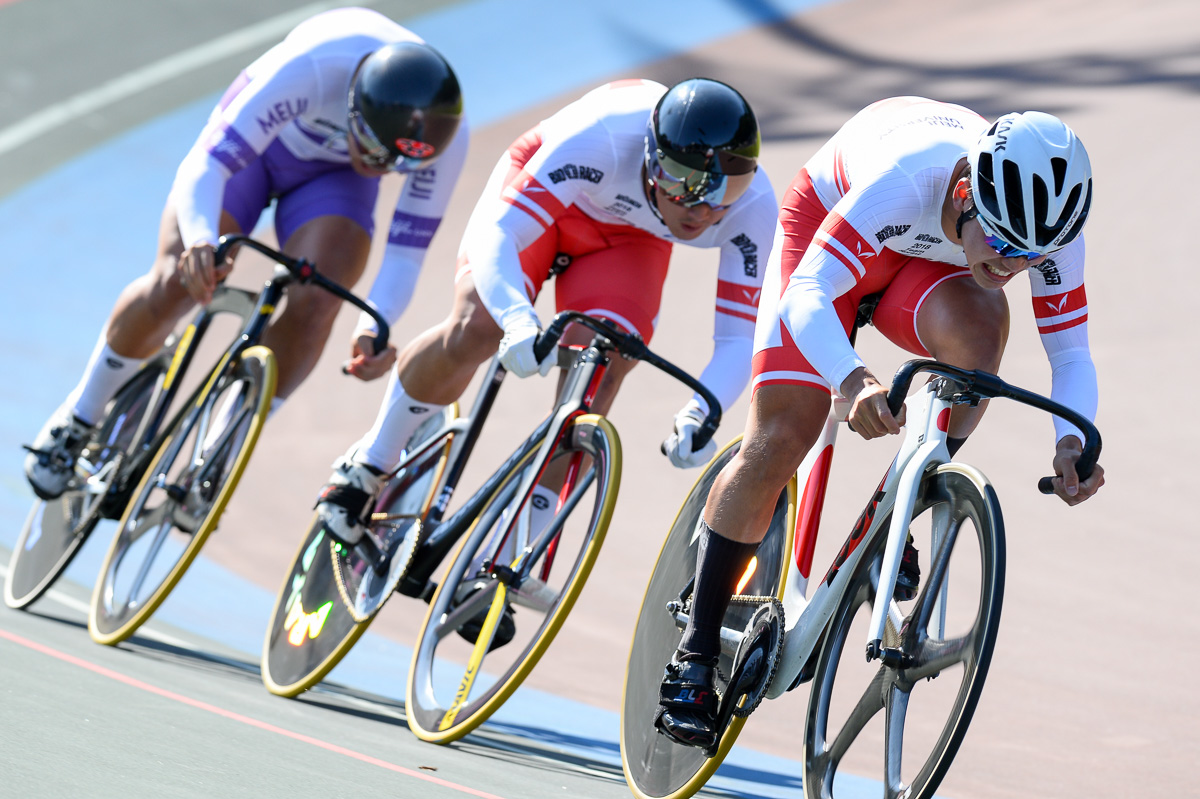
{"points": [[948, 634], [182, 495], [315, 621], [56, 529], [655, 766], [511, 585]]}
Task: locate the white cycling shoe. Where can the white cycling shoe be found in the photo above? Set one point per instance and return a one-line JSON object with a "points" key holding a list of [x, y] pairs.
{"points": [[50, 464], [347, 500]]}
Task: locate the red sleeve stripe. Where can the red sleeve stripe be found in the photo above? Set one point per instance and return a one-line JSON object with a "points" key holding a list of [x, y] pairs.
{"points": [[525, 192], [737, 313], [738, 294], [839, 237], [855, 269], [839, 173], [1059, 304], [516, 200], [1079, 320]]}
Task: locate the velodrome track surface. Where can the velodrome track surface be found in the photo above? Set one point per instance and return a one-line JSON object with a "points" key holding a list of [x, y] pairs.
{"points": [[1088, 693]]}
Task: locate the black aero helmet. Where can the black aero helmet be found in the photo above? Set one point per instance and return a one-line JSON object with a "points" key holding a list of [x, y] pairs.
{"points": [[702, 144], [405, 106]]}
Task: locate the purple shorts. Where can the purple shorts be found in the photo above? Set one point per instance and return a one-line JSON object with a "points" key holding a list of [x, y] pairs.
{"points": [[304, 190]]}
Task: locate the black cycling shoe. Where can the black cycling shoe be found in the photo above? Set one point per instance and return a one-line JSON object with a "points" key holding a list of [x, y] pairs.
{"points": [[908, 580], [688, 701], [506, 628]]}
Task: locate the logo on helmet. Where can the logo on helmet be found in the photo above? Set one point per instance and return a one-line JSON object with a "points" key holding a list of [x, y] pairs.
{"points": [[413, 148], [1002, 134]]}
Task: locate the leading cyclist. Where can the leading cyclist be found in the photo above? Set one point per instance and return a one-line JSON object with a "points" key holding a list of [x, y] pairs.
{"points": [[345, 98], [935, 210], [596, 195]]}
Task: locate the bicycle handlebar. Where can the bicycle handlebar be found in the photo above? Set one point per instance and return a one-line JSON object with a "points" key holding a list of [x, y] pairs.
{"points": [[306, 272], [632, 346], [986, 385]]}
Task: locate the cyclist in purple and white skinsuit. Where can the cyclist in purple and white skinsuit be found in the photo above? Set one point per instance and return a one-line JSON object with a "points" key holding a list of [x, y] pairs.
{"points": [[313, 124]]}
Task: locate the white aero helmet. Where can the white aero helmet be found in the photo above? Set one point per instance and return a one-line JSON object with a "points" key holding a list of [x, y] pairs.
{"points": [[1032, 182]]}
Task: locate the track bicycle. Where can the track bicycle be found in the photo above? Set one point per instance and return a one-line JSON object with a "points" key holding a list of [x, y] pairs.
{"points": [[112, 462], [773, 638], [199, 457], [510, 585]]}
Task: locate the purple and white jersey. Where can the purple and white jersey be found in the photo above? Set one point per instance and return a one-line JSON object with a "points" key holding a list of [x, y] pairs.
{"points": [[296, 94]]}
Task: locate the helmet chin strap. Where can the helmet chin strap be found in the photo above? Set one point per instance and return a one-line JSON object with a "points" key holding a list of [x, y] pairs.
{"points": [[965, 216]]}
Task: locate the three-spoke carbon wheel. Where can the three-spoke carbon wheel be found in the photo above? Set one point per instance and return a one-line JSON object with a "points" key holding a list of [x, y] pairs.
{"points": [[182, 495], [655, 766], [520, 587], [315, 621], [56, 529], [863, 714]]}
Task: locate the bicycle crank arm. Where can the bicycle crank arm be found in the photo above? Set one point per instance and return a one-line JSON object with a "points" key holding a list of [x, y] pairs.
{"points": [[730, 639]]}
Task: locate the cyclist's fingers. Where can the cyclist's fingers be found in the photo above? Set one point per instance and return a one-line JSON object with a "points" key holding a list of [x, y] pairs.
{"points": [[370, 367]]}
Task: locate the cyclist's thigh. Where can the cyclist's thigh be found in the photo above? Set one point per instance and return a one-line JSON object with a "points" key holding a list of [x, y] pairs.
{"points": [[924, 308], [616, 272], [909, 296]]}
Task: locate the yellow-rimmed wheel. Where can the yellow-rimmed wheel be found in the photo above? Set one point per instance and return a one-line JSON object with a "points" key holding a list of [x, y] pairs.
{"points": [[316, 621], [511, 584], [182, 495], [656, 767]]}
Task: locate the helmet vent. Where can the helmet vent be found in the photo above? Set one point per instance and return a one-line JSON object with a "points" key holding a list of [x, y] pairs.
{"points": [[987, 186], [1059, 165], [1013, 201]]}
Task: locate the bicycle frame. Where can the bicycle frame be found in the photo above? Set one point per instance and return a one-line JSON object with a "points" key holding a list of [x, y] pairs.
{"points": [[579, 390], [923, 447], [575, 399]]}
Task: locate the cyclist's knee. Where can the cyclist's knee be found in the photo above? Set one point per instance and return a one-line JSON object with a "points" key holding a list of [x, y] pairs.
{"points": [[310, 312], [968, 327]]}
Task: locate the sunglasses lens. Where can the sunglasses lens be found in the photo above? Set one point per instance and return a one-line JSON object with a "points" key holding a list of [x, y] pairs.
{"points": [[686, 186], [1002, 247], [375, 155]]}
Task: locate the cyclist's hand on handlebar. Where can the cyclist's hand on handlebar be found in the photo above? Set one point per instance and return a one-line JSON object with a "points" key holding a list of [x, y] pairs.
{"points": [[869, 414], [198, 274], [678, 446], [1066, 483], [516, 348], [363, 364]]}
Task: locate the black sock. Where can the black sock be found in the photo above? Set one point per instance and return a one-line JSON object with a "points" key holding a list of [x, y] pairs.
{"points": [[955, 444], [720, 563]]}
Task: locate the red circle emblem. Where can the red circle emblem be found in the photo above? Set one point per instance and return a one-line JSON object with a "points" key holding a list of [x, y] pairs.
{"points": [[414, 148]]}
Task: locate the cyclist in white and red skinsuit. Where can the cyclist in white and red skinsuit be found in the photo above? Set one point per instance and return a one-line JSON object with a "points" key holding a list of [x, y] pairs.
{"points": [[607, 185], [936, 210], [346, 97]]}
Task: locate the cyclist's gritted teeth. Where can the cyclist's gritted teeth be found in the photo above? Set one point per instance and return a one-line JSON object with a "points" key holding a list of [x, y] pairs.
{"points": [[996, 273]]}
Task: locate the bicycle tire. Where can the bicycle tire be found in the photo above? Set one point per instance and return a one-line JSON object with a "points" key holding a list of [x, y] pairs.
{"points": [[196, 495], [302, 646], [952, 495], [444, 699], [56, 529], [656, 767]]}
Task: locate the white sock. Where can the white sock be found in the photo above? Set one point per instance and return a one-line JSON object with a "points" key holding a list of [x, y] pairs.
{"points": [[399, 417], [541, 509], [105, 373]]}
